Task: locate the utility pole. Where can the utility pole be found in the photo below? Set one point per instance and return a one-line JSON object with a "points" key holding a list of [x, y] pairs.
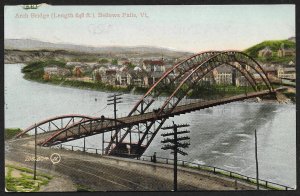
{"points": [[102, 119], [114, 100], [256, 159], [34, 171], [175, 145]]}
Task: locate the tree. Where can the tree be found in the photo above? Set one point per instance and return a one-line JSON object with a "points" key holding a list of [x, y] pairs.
{"points": [[102, 61], [131, 65], [98, 77], [114, 62]]}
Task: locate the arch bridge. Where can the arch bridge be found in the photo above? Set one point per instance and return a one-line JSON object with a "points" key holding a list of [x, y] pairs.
{"points": [[131, 135]]}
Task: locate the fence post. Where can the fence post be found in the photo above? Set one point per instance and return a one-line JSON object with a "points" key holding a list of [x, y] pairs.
{"points": [[96, 151], [60, 146], [214, 170], [72, 148], [182, 163], [167, 160], [235, 184]]}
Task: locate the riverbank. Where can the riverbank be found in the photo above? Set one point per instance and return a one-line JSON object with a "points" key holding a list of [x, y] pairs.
{"points": [[35, 72], [92, 86], [290, 97]]}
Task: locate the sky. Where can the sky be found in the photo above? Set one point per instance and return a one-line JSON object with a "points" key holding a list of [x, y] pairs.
{"points": [[192, 28]]}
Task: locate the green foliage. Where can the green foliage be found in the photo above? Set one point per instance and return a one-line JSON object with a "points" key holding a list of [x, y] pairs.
{"points": [[103, 61], [89, 85], [85, 59], [24, 169], [274, 45], [25, 183], [114, 62], [131, 65], [35, 70], [210, 91], [140, 90], [276, 59], [9, 133], [82, 188]]}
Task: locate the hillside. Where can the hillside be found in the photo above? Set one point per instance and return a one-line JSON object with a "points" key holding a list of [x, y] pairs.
{"points": [[274, 45], [33, 46], [25, 56]]}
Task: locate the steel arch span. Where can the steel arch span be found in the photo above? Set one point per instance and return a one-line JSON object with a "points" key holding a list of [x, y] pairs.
{"points": [[55, 123], [84, 128], [184, 76]]}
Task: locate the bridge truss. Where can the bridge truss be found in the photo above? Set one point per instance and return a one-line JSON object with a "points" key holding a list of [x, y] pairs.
{"points": [[143, 122], [184, 76]]}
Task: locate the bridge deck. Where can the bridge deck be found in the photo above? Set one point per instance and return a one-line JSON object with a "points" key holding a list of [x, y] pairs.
{"points": [[97, 128]]}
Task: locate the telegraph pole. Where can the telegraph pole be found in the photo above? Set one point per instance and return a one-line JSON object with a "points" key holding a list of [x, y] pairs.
{"points": [[175, 145], [256, 160], [102, 119], [114, 100]]}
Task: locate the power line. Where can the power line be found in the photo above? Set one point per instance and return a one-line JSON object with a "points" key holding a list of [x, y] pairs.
{"points": [[175, 145]]}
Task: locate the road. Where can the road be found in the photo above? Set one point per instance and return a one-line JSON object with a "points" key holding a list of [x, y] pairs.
{"points": [[102, 173]]}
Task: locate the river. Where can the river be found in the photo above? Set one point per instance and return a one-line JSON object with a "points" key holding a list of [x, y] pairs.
{"points": [[221, 136]]}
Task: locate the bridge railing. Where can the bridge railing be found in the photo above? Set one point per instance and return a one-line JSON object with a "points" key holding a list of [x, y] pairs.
{"points": [[78, 148], [184, 163], [84, 149], [217, 170]]}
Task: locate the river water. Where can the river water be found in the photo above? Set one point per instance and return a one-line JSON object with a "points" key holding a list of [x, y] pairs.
{"points": [[221, 136]]}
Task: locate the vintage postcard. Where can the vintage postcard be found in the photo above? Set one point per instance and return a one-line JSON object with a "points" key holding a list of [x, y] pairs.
{"points": [[149, 98]]}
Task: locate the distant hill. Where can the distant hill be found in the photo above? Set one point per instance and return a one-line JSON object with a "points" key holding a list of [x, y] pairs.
{"points": [[274, 45], [115, 51]]}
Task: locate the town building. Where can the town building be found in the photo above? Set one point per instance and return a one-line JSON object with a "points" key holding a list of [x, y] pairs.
{"points": [[282, 52], [78, 71], [109, 77], [52, 70], [266, 52], [286, 72], [270, 71], [291, 63], [139, 77], [154, 66], [122, 76], [223, 75]]}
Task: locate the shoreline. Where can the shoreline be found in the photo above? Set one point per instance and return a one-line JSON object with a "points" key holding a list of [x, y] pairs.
{"points": [[102, 87], [53, 83]]}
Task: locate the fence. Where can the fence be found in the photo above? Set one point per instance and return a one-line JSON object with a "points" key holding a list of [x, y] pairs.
{"points": [[80, 148], [183, 163], [217, 170]]}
